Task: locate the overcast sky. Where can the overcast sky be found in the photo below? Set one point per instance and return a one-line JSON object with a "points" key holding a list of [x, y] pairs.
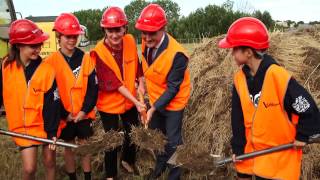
{"points": [[305, 10]]}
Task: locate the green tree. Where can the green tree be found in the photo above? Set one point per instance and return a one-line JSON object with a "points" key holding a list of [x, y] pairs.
{"points": [[91, 19], [172, 10], [265, 17], [289, 22], [133, 11], [314, 22], [298, 23], [209, 21]]}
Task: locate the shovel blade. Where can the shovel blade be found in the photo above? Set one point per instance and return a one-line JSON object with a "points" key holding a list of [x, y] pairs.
{"points": [[173, 159]]}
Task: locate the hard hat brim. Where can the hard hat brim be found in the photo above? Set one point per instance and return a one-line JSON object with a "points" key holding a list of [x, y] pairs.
{"points": [[37, 40], [224, 44], [143, 27], [113, 25], [69, 32]]}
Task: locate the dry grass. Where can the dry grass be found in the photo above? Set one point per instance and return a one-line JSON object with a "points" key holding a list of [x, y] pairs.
{"points": [[148, 139], [145, 161], [11, 164], [101, 141]]}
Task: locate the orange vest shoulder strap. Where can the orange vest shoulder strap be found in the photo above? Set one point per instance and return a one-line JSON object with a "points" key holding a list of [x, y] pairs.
{"points": [[51, 58], [87, 64], [281, 77], [46, 74], [129, 48], [129, 38], [175, 47], [105, 55], [237, 79], [143, 46]]}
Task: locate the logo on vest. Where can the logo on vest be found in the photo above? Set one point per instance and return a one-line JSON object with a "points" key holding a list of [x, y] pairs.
{"points": [[255, 99], [271, 104], [35, 90], [76, 71], [301, 104]]}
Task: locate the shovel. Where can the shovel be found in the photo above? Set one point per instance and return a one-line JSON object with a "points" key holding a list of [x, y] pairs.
{"points": [[313, 139], [34, 138]]}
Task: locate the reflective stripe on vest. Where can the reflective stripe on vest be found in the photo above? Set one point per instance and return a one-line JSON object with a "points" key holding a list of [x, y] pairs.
{"points": [[72, 89], [23, 101], [268, 125], [114, 102], [156, 76]]}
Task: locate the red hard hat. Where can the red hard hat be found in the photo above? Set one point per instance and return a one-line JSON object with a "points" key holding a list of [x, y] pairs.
{"points": [[152, 18], [24, 31], [246, 31], [67, 24], [113, 17]]}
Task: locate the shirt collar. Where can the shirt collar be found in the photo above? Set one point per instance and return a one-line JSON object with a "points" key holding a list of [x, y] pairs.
{"points": [[161, 41]]}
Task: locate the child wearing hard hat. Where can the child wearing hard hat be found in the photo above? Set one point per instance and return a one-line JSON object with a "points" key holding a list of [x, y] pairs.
{"points": [[118, 70], [269, 107], [76, 79], [28, 92]]}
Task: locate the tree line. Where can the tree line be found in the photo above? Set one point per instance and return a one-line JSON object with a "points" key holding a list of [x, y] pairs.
{"points": [[209, 21]]}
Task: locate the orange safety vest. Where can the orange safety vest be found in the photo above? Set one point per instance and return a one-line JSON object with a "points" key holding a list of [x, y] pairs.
{"points": [[23, 101], [114, 102], [72, 90], [156, 76], [268, 125]]}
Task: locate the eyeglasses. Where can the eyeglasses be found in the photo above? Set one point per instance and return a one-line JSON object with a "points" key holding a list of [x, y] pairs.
{"points": [[35, 46]]}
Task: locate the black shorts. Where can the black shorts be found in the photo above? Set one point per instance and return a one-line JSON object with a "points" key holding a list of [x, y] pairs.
{"points": [[241, 175], [82, 130], [26, 147]]}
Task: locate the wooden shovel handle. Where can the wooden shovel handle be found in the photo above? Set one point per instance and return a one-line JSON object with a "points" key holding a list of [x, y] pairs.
{"points": [[144, 112]]}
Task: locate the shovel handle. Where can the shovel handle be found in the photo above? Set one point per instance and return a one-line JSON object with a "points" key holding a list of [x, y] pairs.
{"points": [[254, 154], [34, 138], [313, 139], [140, 96], [143, 113]]}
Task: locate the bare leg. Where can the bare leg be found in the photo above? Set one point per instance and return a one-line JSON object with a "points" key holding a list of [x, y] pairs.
{"points": [[86, 160], [29, 162], [69, 158], [49, 162]]}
